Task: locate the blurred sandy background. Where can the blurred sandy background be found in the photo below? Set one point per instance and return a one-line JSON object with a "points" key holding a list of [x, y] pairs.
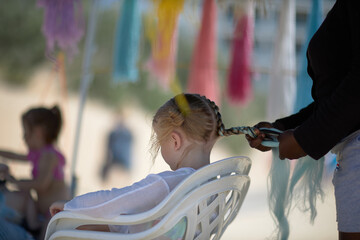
{"points": [[254, 220]]}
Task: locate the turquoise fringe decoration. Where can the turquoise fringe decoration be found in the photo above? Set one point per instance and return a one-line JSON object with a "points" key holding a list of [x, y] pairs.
{"points": [[308, 172], [278, 195], [127, 43], [304, 82]]}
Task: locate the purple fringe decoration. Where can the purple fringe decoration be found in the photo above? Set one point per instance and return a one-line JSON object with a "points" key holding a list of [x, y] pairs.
{"points": [[63, 25]]}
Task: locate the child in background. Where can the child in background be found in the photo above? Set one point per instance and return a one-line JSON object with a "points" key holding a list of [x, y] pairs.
{"points": [[41, 129], [185, 129]]}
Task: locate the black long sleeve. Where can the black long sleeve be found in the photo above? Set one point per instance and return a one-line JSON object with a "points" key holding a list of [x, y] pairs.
{"points": [[334, 66]]}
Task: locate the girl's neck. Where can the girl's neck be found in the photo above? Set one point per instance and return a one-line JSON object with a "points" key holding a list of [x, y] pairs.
{"points": [[196, 158], [41, 146]]}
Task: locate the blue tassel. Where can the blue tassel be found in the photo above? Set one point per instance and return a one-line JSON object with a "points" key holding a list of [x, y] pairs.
{"points": [[304, 82], [127, 43]]}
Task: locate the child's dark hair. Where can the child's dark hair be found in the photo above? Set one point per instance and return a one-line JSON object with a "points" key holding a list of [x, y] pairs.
{"points": [[49, 118]]}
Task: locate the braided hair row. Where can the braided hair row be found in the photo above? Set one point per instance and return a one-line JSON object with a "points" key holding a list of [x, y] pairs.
{"points": [[221, 130]]}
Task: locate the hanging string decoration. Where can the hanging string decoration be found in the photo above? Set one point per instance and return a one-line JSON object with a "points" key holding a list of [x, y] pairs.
{"points": [[280, 103], [127, 42], [164, 43], [239, 80], [282, 82], [203, 70], [63, 25], [308, 172]]}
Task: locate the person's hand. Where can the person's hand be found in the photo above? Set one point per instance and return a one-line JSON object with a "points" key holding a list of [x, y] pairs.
{"points": [[57, 207], [288, 146], [256, 142]]}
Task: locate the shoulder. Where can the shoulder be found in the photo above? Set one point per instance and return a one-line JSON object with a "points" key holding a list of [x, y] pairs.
{"points": [[51, 152], [178, 172], [173, 178], [48, 156]]}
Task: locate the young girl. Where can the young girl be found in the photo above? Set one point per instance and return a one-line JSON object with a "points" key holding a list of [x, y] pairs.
{"points": [[41, 128], [185, 129]]}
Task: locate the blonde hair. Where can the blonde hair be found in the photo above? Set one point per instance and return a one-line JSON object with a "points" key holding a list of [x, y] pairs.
{"points": [[196, 115]]}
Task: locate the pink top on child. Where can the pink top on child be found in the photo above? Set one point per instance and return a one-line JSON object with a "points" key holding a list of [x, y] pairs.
{"points": [[34, 156]]}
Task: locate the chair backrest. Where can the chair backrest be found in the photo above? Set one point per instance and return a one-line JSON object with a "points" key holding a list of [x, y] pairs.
{"points": [[208, 200]]}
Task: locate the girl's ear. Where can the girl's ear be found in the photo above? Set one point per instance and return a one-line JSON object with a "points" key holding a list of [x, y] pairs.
{"points": [[177, 140]]}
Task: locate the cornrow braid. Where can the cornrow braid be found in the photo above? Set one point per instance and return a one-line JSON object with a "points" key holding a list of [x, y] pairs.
{"points": [[221, 130]]}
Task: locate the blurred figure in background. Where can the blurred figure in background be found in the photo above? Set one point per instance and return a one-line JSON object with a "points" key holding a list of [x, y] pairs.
{"points": [[118, 149]]}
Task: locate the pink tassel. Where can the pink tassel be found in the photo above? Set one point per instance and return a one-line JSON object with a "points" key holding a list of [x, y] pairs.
{"points": [[239, 81], [163, 69], [203, 71]]}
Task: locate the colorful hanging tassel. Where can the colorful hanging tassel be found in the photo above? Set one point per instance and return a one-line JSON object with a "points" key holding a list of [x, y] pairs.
{"points": [[304, 82], [308, 173], [282, 82], [164, 43], [63, 25], [163, 69], [239, 81], [280, 103], [127, 43], [203, 69], [167, 13]]}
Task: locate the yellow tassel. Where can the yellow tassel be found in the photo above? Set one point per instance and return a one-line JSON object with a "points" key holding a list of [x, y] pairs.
{"points": [[167, 14]]}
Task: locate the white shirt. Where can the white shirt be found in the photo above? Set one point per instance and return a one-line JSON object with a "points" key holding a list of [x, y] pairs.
{"points": [[139, 197]]}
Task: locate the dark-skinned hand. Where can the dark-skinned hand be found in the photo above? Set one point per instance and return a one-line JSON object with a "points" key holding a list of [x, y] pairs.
{"points": [[288, 146], [256, 142]]}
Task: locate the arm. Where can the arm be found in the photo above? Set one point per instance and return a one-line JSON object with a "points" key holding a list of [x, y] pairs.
{"points": [[294, 120], [12, 155], [139, 197], [285, 123], [47, 163], [58, 206], [338, 115]]}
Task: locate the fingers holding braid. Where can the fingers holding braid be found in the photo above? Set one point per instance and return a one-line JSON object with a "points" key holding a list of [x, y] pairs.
{"points": [[253, 135]]}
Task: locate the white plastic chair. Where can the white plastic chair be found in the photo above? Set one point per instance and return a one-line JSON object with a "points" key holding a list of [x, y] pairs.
{"points": [[209, 199]]}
